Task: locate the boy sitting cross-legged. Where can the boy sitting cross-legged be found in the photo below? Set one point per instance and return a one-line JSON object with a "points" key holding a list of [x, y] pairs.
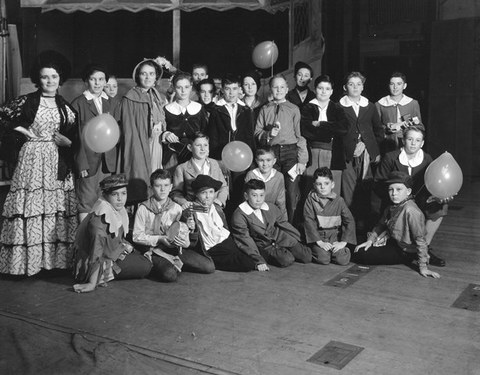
{"points": [[329, 224], [154, 221], [263, 232]]}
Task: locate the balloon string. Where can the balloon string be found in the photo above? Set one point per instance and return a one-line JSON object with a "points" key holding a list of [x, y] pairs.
{"points": [[271, 70]]}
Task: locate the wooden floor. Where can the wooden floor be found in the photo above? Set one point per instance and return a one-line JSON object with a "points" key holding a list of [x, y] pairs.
{"points": [[262, 323]]}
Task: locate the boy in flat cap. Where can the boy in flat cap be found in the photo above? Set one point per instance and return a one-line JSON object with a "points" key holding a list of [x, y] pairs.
{"points": [[101, 251], [214, 240], [301, 94], [399, 236]]}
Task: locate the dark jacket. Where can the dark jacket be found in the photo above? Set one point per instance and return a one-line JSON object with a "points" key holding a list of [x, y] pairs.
{"points": [[293, 97], [86, 159], [220, 129], [332, 130], [368, 125]]}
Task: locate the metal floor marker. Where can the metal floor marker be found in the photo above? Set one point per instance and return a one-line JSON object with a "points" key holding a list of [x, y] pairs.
{"points": [[469, 299], [335, 354], [348, 277]]}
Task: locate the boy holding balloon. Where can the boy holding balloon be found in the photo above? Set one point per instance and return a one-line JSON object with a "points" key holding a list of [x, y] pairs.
{"points": [[278, 125], [411, 159], [92, 167]]}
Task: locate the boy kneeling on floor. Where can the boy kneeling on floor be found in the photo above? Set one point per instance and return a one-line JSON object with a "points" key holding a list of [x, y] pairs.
{"points": [[263, 232]]}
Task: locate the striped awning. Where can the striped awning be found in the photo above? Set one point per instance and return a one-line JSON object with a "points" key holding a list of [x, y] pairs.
{"points": [[69, 6]]}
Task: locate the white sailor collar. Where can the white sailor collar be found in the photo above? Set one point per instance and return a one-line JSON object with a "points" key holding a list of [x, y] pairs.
{"points": [[387, 101], [317, 103], [414, 162], [258, 174], [222, 102], [346, 102], [248, 210], [176, 109], [89, 96]]}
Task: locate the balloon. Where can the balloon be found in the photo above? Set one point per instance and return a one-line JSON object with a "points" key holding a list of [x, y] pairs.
{"points": [[237, 156], [443, 177], [101, 133], [265, 55]]}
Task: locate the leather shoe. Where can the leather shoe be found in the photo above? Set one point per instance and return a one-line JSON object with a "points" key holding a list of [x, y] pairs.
{"points": [[436, 261]]}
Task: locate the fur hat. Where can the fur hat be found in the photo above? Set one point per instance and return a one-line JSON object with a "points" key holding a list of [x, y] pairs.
{"points": [[203, 182], [113, 182], [397, 177]]}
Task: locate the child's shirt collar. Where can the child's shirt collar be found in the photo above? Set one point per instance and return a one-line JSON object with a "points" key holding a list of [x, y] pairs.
{"points": [[259, 174], [387, 101], [89, 96], [223, 102], [346, 102], [248, 210], [413, 162], [176, 109]]}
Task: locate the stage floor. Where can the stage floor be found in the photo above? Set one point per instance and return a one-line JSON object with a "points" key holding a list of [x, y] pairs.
{"points": [[256, 323]]}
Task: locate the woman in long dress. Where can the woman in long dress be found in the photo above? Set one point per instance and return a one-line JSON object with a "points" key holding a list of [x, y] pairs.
{"points": [[184, 118], [39, 215], [142, 120]]}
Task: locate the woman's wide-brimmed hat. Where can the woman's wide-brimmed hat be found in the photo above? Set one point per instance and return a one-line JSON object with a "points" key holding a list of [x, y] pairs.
{"points": [[153, 62]]}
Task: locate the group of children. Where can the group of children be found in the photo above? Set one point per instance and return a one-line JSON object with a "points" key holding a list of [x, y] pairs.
{"points": [[304, 199], [182, 226]]}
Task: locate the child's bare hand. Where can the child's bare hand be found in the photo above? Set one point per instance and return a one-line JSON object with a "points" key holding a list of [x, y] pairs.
{"points": [[191, 223], [262, 267], [324, 245], [181, 241], [171, 138], [163, 240], [365, 246], [187, 205], [316, 123], [338, 246], [425, 272], [301, 168], [276, 129], [439, 200]]}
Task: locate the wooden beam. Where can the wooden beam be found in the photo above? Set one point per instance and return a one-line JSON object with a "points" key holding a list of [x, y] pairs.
{"points": [[176, 37], [291, 25]]}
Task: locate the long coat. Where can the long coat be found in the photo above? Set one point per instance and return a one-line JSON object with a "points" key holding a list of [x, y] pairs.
{"points": [[134, 116]]}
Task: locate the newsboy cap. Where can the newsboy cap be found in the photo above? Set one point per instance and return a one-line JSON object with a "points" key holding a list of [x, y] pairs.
{"points": [[113, 182], [397, 177]]}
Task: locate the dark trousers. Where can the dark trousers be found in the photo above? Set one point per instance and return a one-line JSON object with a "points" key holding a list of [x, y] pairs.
{"points": [[164, 270], [285, 256], [228, 257], [286, 156], [389, 254], [133, 266]]}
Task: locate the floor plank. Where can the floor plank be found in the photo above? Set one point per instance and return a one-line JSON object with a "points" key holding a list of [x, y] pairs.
{"points": [[271, 323]]}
